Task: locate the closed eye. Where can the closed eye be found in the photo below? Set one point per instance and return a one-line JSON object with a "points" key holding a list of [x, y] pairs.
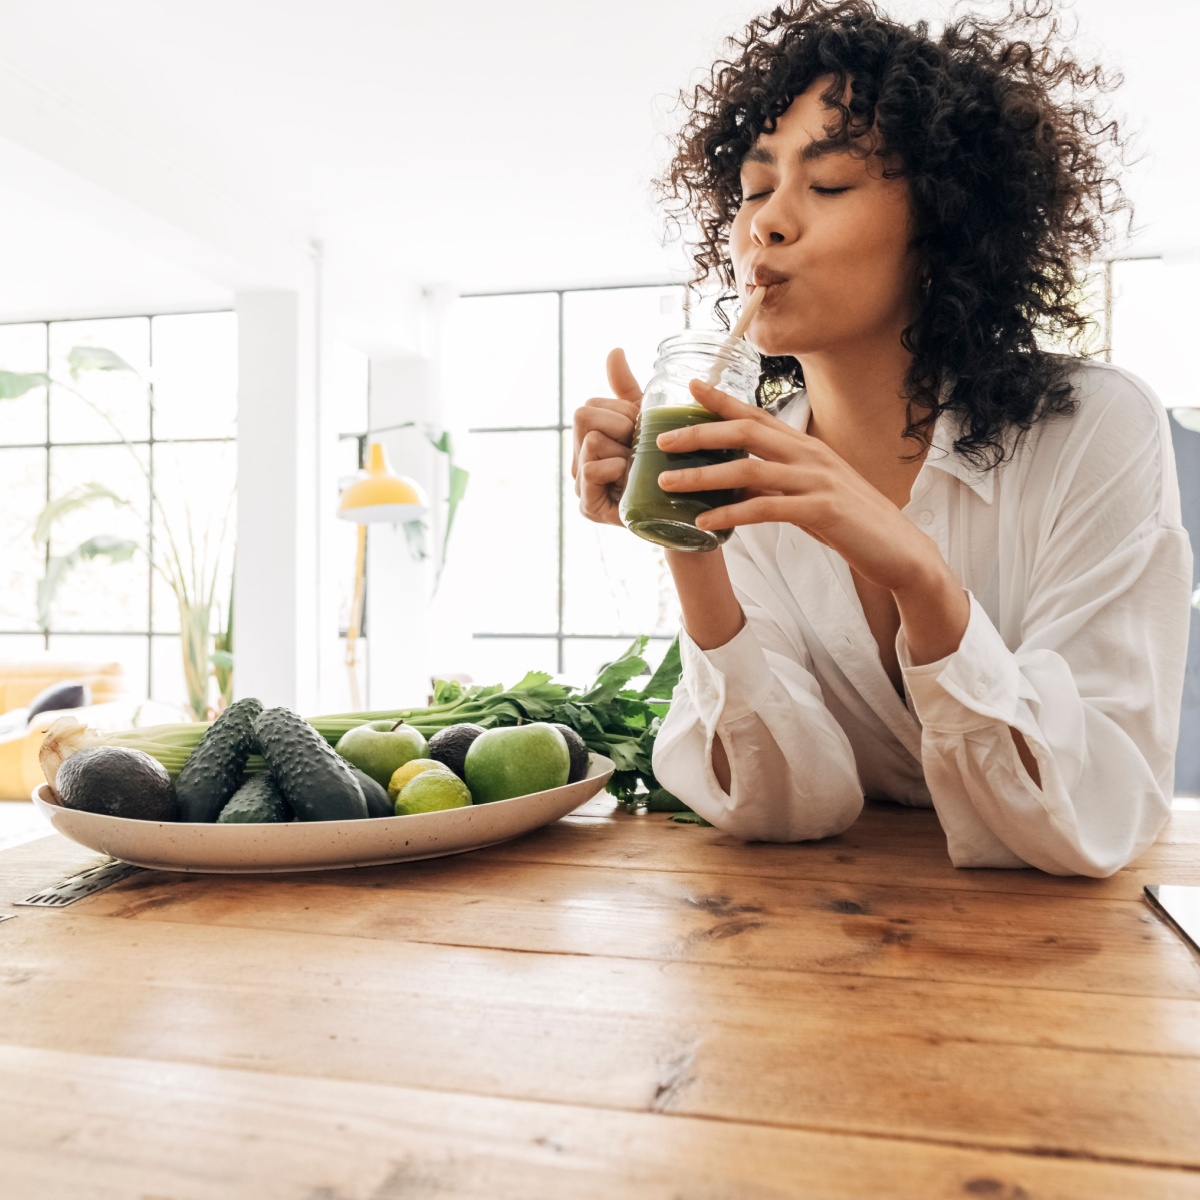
{"points": [[824, 191]]}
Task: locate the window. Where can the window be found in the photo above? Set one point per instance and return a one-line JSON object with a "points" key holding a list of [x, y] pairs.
{"points": [[529, 584], [167, 425]]}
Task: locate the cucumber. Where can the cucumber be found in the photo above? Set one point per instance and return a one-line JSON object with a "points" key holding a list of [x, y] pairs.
{"points": [[379, 803], [257, 801], [314, 780], [215, 769]]}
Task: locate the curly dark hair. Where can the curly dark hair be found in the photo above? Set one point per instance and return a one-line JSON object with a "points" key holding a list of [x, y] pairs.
{"points": [[1011, 161]]}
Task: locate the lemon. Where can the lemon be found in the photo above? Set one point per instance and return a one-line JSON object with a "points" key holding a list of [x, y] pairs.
{"points": [[430, 791], [410, 770]]}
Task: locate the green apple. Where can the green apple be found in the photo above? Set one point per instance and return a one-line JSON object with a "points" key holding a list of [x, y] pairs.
{"points": [[515, 761], [380, 748]]}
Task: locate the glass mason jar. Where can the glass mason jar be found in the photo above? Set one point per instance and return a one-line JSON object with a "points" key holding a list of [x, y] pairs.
{"points": [[669, 518]]}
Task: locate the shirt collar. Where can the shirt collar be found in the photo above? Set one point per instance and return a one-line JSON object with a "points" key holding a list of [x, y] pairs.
{"points": [[942, 455]]}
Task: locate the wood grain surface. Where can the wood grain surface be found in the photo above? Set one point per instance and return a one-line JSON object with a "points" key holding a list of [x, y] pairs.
{"points": [[613, 1006]]}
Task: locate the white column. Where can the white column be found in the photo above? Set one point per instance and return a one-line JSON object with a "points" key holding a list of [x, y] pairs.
{"points": [[276, 582]]}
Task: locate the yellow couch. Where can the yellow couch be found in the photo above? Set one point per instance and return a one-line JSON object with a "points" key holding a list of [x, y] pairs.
{"points": [[22, 680]]}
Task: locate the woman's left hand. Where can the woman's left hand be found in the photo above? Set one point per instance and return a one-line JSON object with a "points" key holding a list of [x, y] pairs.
{"points": [[796, 478]]}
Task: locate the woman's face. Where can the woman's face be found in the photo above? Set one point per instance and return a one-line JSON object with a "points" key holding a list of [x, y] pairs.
{"points": [[831, 229]]}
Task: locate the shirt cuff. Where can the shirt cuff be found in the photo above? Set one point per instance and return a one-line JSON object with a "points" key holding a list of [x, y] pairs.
{"points": [[729, 682], [971, 688]]}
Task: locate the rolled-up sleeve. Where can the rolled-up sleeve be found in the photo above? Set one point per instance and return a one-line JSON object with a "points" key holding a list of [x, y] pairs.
{"points": [[1094, 686], [792, 769]]}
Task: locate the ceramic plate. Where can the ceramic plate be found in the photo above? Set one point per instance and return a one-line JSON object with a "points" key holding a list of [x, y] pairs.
{"points": [[319, 845]]}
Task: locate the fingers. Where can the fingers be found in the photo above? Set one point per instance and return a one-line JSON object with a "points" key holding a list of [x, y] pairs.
{"points": [[757, 510], [601, 431], [612, 417], [741, 473], [620, 378], [597, 445], [598, 486], [723, 404], [776, 442]]}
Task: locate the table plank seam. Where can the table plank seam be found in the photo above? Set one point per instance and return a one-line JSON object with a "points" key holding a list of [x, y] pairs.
{"points": [[652, 1110]]}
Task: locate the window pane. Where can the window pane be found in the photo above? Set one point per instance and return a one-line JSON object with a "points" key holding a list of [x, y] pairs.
{"points": [[166, 673], [22, 497], [101, 595], [613, 581], [505, 351], [23, 351], [583, 658], [501, 571], [131, 652], [1153, 326], [636, 319], [195, 375], [194, 524], [120, 395], [507, 660]]}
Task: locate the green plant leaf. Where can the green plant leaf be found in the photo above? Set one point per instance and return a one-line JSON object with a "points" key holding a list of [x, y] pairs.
{"points": [[222, 660], [95, 358], [13, 384], [414, 531], [617, 674], [457, 490], [81, 497], [59, 567], [662, 682]]}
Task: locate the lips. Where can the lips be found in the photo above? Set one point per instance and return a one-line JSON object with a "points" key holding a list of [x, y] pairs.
{"points": [[764, 276]]}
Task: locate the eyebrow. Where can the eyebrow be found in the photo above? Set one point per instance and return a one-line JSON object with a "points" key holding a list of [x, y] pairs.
{"points": [[810, 153]]}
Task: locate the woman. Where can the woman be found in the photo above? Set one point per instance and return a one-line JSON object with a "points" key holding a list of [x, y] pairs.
{"points": [[958, 575]]}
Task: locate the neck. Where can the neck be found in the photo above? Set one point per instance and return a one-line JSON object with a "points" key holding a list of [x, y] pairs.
{"points": [[858, 409]]}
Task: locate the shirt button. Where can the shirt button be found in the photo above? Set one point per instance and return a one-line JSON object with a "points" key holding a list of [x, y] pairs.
{"points": [[926, 517], [979, 691]]}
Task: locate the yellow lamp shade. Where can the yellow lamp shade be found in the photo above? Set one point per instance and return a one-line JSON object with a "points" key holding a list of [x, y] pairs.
{"points": [[382, 495]]}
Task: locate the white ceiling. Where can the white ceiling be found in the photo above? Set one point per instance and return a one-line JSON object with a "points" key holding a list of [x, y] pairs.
{"points": [[483, 145]]}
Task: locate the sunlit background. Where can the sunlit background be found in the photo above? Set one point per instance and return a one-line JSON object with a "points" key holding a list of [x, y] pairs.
{"points": [[300, 231]]}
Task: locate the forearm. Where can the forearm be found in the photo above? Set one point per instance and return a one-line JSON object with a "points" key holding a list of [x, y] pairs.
{"points": [[711, 613]]}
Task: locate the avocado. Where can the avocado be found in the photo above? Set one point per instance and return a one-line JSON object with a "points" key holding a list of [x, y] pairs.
{"points": [[379, 803], [257, 801], [117, 781], [449, 746], [578, 750], [215, 769], [317, 782]]}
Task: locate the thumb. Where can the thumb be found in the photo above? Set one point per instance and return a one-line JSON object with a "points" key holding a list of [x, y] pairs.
{"points": [[620, 378]]}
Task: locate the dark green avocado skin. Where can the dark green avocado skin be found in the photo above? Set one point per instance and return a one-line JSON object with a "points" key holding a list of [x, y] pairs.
{"points": [[117, 782], [379, 803], [258, 801], [449, 746], [314, 779], [215, 769], [578, 750]]}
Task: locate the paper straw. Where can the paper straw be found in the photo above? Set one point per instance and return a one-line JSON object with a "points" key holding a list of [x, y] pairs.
{"points": [[737, 332]]}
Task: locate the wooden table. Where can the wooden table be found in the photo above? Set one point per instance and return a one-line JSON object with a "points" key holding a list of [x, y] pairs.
{"points": [[611, 1007]]}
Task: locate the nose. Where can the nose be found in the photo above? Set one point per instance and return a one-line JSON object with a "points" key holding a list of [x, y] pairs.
{"points": [[772, 224]]}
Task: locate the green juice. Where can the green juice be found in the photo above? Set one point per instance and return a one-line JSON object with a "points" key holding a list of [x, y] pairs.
{"points": [[669, 518]]}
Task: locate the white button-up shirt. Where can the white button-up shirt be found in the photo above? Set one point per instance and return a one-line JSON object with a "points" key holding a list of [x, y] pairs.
{"points": [[1079, 573]]}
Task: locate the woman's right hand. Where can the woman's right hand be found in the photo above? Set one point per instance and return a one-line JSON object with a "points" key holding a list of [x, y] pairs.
{"points": [[604, 443]]}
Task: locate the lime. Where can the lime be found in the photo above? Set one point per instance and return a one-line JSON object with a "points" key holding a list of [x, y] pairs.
{"points": [[410, 770], [430, 791]]}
